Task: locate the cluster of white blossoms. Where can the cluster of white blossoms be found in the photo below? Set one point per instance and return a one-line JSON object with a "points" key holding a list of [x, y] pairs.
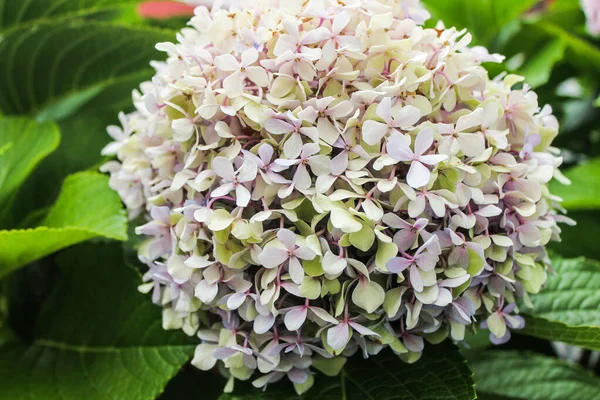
{"points": [[326, 177]]}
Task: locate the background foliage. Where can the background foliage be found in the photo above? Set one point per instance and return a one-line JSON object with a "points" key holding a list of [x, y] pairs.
{"points": [[72, 324]]}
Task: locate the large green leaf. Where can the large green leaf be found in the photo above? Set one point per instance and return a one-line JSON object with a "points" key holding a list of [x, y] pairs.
{"points": [[53, 68], [581, 239], [23, 144], [568, 308], [580, 52], [97, 337], [18, 14], [538, 66], [85, 208], [529, 376], [584, 191], [81, 73], [440, 374], [483, 18]]}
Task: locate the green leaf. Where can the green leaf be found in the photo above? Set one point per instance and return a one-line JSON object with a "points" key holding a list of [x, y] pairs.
{"points": [[584, 190], [363, 239], [23, 144], [483, 18], [579, 52], [97, 337], [17, 14], [81, 72], [85, 208], [581, 239], [440, 374], [55, 65], [530, 376], [538, 66], [568, 308]]}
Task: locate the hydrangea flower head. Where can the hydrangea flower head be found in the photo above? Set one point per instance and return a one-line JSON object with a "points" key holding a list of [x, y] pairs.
{"points": [[322, 178]]}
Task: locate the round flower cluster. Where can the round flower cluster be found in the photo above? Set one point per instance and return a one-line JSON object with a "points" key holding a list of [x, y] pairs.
{"points": [[324, 177]]}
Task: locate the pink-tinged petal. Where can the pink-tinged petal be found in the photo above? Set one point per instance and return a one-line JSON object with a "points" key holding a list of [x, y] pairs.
{"points": [[161, 214], [489, 211], [417, 206], [529, 235], [433, 159], [415, 278], [222, 190], [500, 340], [236, 300], [421, 223], [339, 22], [444, 297], [407, 116], [399, 149], [339, 163], [247, 171], [338, 336], [295, 317], [309, 149], [427, 261], [471, 144], [284, 163], [362, 330], [227, 62], [265, 152], [423, 141], [223, 168], [305, 69], [183, 129], [316, 35], [285, 43], [249, 57], [152, 228], [205, 291], [302, 178], [394, 221], [305, 253], [323, 315], [263, 323], [311, 132], [278, 126], [514, 321], [359, 151], [405, 238], [470, 120], [292, 146], [296, 271], [437, 205], [198, 262], [384, 109], [258, 75], [298, 376], [242, 196], [342, 109], [234, 85], [224, 353], [288, 238], [413, 343], [349, 43], [398, 264], [373, 132], [272, 257], [418, 175], [320, 165]]}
